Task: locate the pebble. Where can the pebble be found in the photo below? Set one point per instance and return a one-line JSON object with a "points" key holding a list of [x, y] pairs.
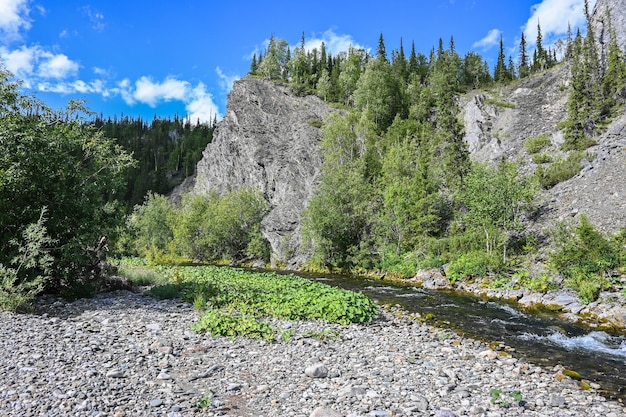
{"points": [[123, 354]]}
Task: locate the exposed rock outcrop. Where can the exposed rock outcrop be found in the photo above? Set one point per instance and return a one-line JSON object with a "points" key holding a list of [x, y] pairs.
{"points": [[268, 140], [608, 18]]}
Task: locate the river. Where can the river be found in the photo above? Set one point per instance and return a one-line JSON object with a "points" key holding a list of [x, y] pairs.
{"points": [[540, 338]]}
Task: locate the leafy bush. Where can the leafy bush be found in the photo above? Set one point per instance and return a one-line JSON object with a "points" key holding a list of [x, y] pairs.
{"points": [[560, 170], [584, 257], [30, 269], [204, 228], [60, 161], [542, 158], [536, 144], [471, 265], [221, 323], [150, 226]]}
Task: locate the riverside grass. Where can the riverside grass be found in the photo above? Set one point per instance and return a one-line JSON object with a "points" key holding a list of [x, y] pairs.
{"points": [[236, 302]]}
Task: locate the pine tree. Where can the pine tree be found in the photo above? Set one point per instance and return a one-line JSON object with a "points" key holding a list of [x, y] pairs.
{"points": [[540, 56], [569, 42], [500, 72], [614, 78], [253, 64], [413, 60], [510, 70], [524, 68], [584, 104], [399, 64], [381, 52], [323, 59]]}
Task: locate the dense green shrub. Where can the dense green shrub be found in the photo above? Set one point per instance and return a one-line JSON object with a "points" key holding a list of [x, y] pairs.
{"points": [[560, 170], [57, 160], [542, 158], [29, 270], [213, 227], [205, 227], [584, 257], [536, 144], [472, 265], [150, 226]]}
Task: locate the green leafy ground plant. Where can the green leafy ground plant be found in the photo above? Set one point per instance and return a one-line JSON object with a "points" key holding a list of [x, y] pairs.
{"points": [[237, 302]]}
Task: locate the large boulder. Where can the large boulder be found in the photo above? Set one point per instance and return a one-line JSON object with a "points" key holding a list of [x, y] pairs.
{"points": [[268, 140]]}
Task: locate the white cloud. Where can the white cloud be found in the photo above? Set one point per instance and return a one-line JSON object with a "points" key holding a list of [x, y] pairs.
{"points": [[333, 42], [492, 39], [226, 81], [95, 17], [554, 16], [19, 61], [124, 89], [13, 18], [150, 92], [200, 105], [28, 62], [57, 66], [198, 102], [100, 71]]}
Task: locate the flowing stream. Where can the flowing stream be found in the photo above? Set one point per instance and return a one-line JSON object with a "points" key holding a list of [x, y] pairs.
{"points": [[541, 338]]}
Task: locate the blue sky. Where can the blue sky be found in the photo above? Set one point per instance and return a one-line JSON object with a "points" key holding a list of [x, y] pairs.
{"points": [[146, 58]]}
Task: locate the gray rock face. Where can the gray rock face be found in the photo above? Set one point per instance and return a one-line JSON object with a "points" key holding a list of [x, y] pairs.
{"points": [[268, 140], [498, 124], [609, 16]]}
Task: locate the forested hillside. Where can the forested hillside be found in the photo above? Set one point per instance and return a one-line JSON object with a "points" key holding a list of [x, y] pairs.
{"points": [[166, 151]]}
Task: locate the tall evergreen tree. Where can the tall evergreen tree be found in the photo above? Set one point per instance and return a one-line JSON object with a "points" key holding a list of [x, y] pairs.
{"points": [[500, 73], [614, 77], [541, 59], [524, 67], [381, 51], [399, 64]]}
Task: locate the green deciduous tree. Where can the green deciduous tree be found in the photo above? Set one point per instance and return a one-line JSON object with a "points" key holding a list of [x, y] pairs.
{"points": [[212, 227], [275, 60], [58, 161], [495, 199], [378, 93]]}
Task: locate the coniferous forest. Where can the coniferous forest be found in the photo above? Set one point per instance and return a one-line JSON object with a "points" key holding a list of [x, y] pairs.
{"points": [[398, 191]]}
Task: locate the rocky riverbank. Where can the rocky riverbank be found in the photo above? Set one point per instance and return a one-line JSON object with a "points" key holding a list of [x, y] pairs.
{"points": [[608, 312], [126, 354]]}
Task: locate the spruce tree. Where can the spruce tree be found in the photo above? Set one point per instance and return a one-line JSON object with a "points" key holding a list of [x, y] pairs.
{"points": [[381, 52], [614, 78], [524, 68], [500, 72], [253, 64], [540, 56]]}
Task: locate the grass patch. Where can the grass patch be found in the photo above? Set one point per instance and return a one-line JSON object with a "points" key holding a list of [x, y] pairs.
{"points": [[317, 123], [500, 103], [542, 158], [537, 144], [560, 170]]}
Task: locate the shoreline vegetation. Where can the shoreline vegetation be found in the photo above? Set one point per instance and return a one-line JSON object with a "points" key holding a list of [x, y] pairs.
{"points": [[607, 314]]}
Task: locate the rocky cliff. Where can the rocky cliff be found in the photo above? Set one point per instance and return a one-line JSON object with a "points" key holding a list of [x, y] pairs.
{"points": [[269, 140], [608, 18], [497, 124]]}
